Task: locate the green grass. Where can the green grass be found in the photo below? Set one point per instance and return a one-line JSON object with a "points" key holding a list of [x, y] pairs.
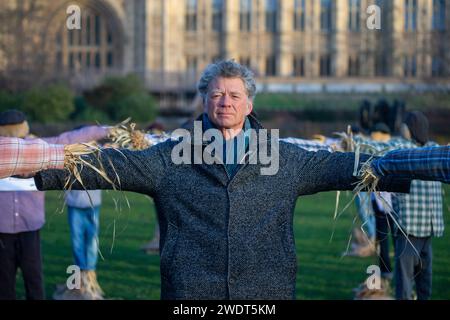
{"points": [[127, 273]]}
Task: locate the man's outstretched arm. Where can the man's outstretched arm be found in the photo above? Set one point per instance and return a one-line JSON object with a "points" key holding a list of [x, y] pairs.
{"points": [[429, 164], [137, 171], [21, 157], [324, 171]]}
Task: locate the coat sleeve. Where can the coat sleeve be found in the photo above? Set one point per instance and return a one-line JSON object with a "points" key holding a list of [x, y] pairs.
{"points": [[136, 171], [325, 171]]}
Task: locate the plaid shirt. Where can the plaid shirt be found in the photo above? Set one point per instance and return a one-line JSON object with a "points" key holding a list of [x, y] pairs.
{"points": [[370, 146], [18, 157], [419, 213], [23, 211], [430, 163], [308, 145], [155, 138]]}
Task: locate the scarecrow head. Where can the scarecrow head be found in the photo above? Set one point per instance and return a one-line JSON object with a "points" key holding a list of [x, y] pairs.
{"points": [[13, 123]]}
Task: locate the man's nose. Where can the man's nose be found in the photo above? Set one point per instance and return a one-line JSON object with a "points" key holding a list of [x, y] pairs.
{"points": [[226, 101]]}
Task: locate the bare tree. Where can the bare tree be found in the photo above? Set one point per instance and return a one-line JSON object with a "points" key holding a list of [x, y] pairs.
{"points": [[23, 57]]}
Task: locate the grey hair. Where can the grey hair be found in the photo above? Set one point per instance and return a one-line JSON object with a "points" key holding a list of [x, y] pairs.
{"points": [[227, 69]]}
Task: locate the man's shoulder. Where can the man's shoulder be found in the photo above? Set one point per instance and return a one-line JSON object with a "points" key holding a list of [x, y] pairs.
{"points": [[161, 148], [288, 148], [296, 153]]}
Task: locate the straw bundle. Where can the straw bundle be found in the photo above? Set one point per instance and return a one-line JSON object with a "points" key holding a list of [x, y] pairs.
{"points": [[127, 137], [75, 163]]}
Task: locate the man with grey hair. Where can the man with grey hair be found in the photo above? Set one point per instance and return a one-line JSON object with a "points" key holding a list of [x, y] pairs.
{"points": [[227, 228]]}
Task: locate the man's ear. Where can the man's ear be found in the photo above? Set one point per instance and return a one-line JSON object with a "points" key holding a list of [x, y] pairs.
{"points": [[249, 108]]}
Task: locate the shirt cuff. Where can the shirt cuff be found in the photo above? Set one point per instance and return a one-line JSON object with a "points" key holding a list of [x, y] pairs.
{"points": [[376, 167], [388, 182]]}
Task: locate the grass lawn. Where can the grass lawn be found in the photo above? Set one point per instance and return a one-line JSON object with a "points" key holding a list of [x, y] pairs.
{"points": [[128, 273]]}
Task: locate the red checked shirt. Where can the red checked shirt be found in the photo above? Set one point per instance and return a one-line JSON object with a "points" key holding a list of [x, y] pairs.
{"points": [[22, 211], [18, 156]]}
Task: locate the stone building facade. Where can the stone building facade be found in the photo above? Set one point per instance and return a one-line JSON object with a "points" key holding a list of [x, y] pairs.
{"points": [[169, 42]]}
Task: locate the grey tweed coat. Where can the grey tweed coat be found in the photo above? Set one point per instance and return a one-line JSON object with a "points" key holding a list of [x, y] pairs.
{"points": [[225, 238]]}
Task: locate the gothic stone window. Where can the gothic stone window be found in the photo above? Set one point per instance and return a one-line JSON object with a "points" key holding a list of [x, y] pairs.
{"points": [[325, 15], [354, 12], [271, 15], [299, 15], [217, 7], [325, 66], [410, 15], [439, 15], [271, 66], [191, 15], [409, 65], [90, 48], [245, 14], [299, 66]]}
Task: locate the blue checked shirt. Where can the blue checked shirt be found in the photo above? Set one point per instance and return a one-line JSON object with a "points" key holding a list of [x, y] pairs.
{"points": [[419, 213], [308, 145]]}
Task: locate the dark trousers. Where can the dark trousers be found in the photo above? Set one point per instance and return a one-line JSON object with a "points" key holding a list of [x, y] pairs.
{"points": [[21, 250], [413, 264], [384, 225]]}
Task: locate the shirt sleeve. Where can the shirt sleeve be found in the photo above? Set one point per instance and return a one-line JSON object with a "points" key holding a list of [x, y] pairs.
{"points": [[370, 146], [85, 134], [19, 157], [308, 145], [429, 164]]}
